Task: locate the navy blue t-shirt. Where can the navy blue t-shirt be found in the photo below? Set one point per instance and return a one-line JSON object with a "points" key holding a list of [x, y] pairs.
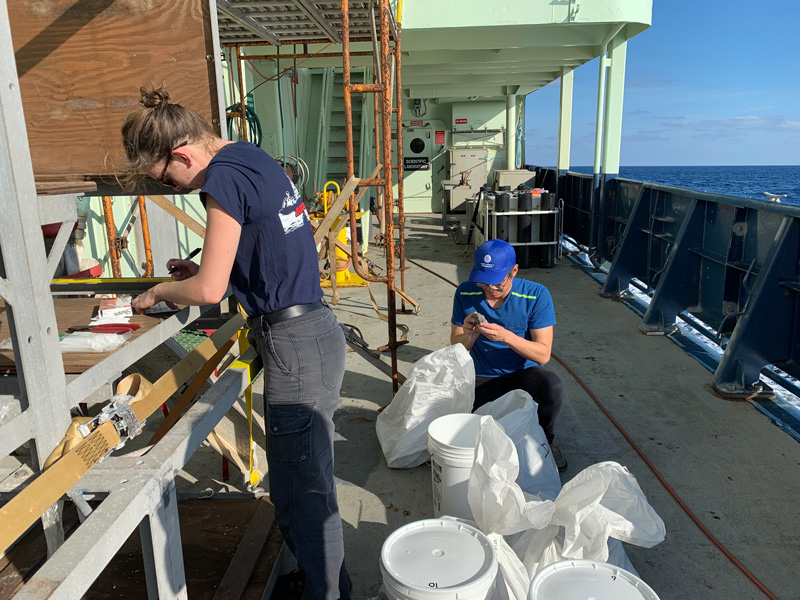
{"points": [[527, 306], [276, 262]]}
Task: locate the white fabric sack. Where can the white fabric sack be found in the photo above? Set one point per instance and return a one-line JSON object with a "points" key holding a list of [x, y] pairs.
{"points": [[512, 582], [601, 502], [498, 504], [518, 414], [440, 383]]}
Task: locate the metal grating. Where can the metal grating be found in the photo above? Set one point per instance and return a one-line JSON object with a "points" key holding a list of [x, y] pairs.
{"points": [[289, 21]]}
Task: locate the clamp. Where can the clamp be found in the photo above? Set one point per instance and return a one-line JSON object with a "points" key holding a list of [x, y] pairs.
{"points": [[121, 415]]}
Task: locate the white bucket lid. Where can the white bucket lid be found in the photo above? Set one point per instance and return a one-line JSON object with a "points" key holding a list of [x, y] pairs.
{"points": [[459, 430], [588, 580], [438, 558]]}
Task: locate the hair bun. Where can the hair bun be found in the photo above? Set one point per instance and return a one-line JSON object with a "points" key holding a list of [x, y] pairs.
{"points": [[155, 98]]}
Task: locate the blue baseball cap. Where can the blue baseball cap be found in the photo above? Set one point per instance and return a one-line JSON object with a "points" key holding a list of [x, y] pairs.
{"points": [[493, 260]]}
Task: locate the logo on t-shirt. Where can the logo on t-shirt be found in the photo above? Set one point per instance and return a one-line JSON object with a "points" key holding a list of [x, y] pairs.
{"points": [[293, 213]]}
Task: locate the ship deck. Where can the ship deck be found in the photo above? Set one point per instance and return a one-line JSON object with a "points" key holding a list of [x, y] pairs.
{"points": [[734, 469]]}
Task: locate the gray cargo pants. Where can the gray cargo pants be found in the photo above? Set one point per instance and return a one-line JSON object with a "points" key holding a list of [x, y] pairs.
{"points": [[304, 360]]}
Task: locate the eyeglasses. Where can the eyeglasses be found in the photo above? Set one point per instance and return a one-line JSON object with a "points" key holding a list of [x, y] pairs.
{"points": [[162, 179], [496, 286]]}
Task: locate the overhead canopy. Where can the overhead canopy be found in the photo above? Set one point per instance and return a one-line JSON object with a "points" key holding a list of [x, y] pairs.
{"points": [[289, 21], [453, 48]]}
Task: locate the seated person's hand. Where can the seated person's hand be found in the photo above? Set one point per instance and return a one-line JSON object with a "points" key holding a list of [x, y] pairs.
{"points": [[471, 323], [493, 331]]}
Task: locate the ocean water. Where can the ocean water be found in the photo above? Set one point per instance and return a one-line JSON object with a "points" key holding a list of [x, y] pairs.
{"points": [[744, 181]]}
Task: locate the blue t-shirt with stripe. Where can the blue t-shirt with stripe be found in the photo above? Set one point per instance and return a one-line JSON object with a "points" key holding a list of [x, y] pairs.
{"points": [[527, 306], [276, 262]]}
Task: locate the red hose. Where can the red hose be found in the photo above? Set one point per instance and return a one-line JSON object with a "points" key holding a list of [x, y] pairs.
{"points": [[668, 487], [652, 467]]}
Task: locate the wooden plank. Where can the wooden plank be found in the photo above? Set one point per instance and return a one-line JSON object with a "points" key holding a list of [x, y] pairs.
{"points": [[44, 188], [81, 64], [335, 208], [180, 215], [247, 553], [70, 313]]}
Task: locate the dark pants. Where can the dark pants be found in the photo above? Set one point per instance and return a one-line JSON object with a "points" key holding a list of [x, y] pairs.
{"points": [[304, 361], [544, 386]]}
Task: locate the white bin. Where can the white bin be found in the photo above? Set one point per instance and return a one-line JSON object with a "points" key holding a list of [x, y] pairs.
{"points": [[588, 580], [438, 559], [451, 442]]}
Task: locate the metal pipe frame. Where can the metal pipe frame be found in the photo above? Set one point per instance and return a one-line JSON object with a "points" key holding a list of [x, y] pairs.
{"points": [[384, 140], [305, 55], [291, 42], [111, 236], [140, 493], [240, 79], [141, 490], [401, 219], [382, 89], [148, 250]]}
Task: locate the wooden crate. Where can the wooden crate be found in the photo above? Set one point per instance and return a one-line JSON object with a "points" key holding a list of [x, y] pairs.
{"points": [[81, 64]]}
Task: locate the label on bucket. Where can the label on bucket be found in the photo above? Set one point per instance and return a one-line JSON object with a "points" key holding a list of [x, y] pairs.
{"points": [[436, 474]]}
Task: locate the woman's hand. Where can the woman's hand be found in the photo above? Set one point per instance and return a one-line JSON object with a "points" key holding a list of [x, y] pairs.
{"points": [[181, 269], [144, 301]]}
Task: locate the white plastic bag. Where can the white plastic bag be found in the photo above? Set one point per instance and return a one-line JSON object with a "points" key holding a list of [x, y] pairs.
{"points": [[440, 383], [603, 501], [86, 341], [517, 413], [600, 506], [512, 581], [497, 502]]}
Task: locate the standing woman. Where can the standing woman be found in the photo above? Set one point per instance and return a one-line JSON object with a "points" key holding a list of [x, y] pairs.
{"points": [[259, 240]]}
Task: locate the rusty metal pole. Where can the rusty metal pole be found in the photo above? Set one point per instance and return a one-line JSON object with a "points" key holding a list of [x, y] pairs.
{"points": [[111, 234], [148, 250], [388, 193], [386, 178], [242, 114], [348, 112], [376, 80], [401, 219], [378, 147], [347, 92]]}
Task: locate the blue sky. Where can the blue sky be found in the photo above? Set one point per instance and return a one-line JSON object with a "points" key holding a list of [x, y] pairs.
{"points": [[709, 83]]}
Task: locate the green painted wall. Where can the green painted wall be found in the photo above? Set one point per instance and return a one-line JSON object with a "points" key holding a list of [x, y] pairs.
{"points": [[454, 14]]}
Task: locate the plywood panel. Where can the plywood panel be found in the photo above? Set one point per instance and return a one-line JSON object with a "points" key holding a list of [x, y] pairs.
{"points": [[81, 64]]}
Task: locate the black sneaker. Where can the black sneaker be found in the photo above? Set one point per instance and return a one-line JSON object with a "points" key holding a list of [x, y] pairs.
{"points": [[561, 462], [289, 586]]}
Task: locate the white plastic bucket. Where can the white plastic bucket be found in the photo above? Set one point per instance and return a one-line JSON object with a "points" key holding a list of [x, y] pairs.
{"points": [[438, 559], [588, 580], [451, 442]]}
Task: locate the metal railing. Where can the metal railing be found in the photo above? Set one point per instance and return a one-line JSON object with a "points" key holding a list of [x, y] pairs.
{"points": [[730, 262]]}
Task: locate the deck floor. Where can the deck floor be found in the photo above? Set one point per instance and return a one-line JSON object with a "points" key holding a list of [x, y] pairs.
{"points": [[736, 470]]}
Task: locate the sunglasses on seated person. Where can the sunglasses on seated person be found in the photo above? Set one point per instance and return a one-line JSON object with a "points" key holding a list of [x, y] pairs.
{"points": [[496, 286]]}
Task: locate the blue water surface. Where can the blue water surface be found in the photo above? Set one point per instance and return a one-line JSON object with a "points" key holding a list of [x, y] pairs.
{"points": [[741, 181]]}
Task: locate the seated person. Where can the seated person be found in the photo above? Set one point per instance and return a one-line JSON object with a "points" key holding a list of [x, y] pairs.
{"points": [[507, 325]]}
